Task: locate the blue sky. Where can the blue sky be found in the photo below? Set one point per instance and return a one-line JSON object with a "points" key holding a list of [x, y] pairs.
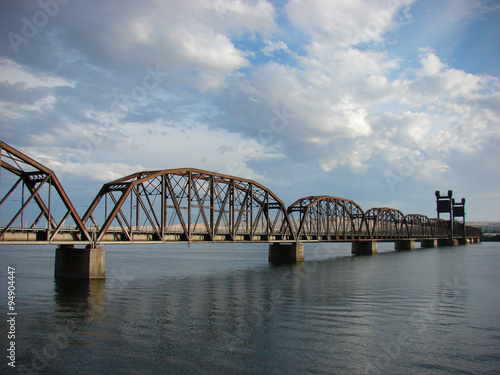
{"points": [[381, 102]]}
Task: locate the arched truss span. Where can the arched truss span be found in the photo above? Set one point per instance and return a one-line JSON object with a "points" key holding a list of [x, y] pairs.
{"points": [[187, 205], [440, 228], [37, 199], [386, 223], [326, 218], [419, 226]]}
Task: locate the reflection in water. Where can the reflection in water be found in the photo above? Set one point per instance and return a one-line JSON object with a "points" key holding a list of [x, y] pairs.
{"points": [[395, 313], [244, 315], [80, 297]]}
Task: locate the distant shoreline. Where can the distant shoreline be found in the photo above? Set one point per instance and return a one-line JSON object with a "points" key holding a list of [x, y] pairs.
{"points": [[494, 238]]}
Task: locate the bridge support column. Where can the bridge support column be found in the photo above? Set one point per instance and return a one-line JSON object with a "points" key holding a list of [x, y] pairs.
{"points": [[364, 247], [404, 245], [447, 242], [88, 263], [429, 243], [286, 252]]}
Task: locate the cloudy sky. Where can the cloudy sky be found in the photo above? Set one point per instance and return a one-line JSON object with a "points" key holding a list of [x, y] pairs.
{"points": [[378, 101]]}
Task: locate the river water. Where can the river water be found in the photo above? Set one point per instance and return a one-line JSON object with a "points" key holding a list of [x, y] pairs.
{"points": [[223, 309]]}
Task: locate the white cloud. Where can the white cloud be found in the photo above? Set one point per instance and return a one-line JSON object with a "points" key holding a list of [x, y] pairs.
{"points": [[248, 89], [271, 47], [431, 65], [104, 172], [13, 73], [436, 80], [195, 36], [345, 22]]}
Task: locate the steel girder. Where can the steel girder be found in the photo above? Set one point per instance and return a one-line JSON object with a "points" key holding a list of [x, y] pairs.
{"points": [[327, 218], [418, 226], [473, 232], [440, 228], [33, 179], [386, 223], [188, 204]]}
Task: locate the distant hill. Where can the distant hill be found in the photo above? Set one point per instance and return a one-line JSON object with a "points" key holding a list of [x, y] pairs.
{"points": [[486, 225]]}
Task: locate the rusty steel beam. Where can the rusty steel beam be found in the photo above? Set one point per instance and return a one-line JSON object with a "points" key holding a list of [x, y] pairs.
{"points": [[418, 226], [329, 218], [192, 205], [16, 162], [387, 223]]}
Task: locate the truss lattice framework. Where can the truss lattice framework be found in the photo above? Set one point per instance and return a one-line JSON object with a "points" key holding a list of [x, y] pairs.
{"points": [[187, 205], [386, 223], [419, 226], [326, 218], [440, 228], [33, 179]]}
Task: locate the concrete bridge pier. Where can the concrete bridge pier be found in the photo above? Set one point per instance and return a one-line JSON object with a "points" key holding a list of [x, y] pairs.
{"points": [[364, 247], [286, 252], [88, 263], [429, 243], [404, 245], [447, 242]]}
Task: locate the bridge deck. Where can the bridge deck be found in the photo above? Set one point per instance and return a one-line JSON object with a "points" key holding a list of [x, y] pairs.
{"points": [[32, 236]]}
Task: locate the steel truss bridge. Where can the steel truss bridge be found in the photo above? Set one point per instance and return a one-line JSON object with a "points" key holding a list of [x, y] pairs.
{"points": [[189, 205]]}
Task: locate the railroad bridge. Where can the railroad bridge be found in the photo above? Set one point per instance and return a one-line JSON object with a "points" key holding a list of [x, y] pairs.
{"points": [[193, 205]]}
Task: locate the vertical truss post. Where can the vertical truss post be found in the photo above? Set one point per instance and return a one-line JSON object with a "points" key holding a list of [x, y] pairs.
{"points": [[251, 213], [131, 222], [22, 203], [137, 202], [190, 180], [268, 233], [212, 207], [231, 208], [49, 221], [163, 207], [328, 218], [318, 220]]}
